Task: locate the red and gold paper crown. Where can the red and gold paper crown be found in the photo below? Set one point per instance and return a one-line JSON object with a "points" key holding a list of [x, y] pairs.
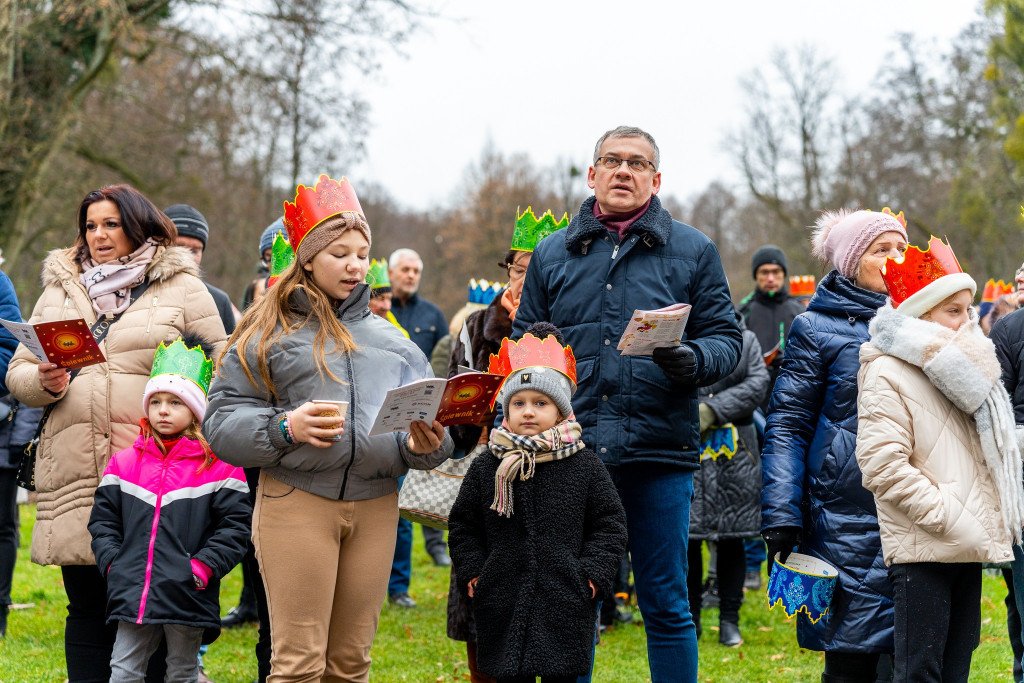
{"points": [[531, 351], [801, 285], [918, 269], [993, 290], [314, 205], [898, 216]]}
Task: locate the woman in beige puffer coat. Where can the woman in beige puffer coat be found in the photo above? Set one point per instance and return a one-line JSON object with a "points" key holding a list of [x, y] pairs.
{"points": [[936, 447], [98, 413]]}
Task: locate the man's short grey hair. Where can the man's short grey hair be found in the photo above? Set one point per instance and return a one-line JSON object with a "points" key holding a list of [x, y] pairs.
{"points": [[399, 254], [629, 132]]}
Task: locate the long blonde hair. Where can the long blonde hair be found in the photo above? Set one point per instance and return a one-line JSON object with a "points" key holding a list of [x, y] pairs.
{"points": [[272, 316], [193, 431]]}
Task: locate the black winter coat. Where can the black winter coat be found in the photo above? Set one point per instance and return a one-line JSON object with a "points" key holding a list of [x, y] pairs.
{"points": [[588, 285], [533, 609], [727, 491], [1008, 336], [770, 317]]}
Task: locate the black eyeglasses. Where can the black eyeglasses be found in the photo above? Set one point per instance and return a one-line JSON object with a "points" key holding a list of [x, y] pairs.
{"points": [[613, 163]]}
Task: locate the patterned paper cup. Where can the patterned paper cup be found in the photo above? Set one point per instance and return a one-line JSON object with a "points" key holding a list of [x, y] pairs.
{"points": [[803, 583], [331, 409]]}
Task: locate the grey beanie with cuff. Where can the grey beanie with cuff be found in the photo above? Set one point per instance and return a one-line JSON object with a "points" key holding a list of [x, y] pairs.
{"points": [[547, 381]]}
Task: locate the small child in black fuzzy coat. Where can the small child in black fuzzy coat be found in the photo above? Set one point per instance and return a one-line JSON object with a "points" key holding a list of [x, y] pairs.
{"points": [[537, 534]]}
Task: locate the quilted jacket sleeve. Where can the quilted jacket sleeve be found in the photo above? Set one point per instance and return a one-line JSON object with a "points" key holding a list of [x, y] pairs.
{"points": [[739, 401], [8, 311], [885, 441], [105, 522], [793, 416], [232, 522], [711, 330]]}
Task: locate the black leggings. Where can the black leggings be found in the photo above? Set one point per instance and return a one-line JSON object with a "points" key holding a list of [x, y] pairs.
{"points": [[9, 535], [88, 639], [732, 567]]}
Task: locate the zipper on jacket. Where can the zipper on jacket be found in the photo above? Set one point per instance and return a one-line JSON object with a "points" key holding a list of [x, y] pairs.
{"points": [[352, 432], [67, 302], [152, 312], [152, 541], [615, 252]]}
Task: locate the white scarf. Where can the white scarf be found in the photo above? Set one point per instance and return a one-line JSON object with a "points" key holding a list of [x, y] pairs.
{"points": [[963, 366]]}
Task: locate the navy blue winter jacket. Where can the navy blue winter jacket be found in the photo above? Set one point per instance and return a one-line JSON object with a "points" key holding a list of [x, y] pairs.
{"points": [[588, 285], [422, 319], [810, 473], [8, 311]]}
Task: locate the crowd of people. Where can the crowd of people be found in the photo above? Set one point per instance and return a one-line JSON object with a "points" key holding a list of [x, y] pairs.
{"points": [[876, 426]]}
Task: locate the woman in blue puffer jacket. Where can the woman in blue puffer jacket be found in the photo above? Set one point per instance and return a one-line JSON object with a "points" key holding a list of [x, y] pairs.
{"points": [[813, 496]]}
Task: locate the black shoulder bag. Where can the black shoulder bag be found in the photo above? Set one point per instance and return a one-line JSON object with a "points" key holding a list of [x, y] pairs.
{"points": [[27, 468]]}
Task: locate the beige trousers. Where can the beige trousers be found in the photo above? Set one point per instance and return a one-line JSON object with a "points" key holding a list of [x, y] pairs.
{"points": [[325, 565]]}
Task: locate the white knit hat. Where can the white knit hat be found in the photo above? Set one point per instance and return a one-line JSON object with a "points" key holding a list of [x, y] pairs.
{"points": [[934, 293]]}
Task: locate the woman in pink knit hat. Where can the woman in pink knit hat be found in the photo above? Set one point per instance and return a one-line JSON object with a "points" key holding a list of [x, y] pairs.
{"points": [[813, 498]]}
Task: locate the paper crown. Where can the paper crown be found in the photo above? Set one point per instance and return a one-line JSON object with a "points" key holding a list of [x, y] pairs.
{"points": [[483, 291], [314, 205], [718, 442], [530, 230], [918, 269], [801, 285], [530, 352], [803, 584], [282, 257], [377, 277], [993, 290], [178, 359]]}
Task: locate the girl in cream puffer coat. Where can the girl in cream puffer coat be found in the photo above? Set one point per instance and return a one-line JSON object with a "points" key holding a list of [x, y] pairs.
{"points": [[936, 447]]}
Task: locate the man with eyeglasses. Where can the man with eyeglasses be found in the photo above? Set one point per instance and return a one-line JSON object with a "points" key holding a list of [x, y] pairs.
{"points": [[623, 252]]}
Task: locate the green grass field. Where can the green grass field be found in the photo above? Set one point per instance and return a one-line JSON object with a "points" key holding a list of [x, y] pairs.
{"points": [[411, 645]]}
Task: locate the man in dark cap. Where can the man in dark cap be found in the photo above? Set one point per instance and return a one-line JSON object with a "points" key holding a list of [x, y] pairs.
{"points": [[193, 233]]}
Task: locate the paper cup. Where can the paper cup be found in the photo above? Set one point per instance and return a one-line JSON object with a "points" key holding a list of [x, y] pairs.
{"points": [[803, 583], [331, 409]]}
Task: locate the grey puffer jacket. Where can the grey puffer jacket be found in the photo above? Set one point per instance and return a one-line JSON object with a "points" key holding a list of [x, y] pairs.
{"points": [[727, 491], [241, 422]]}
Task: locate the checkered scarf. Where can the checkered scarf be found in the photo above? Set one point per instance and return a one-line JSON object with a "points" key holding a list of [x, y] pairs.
{"points": [[520, 454]]}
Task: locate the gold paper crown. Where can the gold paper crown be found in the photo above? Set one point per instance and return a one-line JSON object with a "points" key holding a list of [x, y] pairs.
{"points": [[531, 351], [993, 290], [530, 230], [801, 285]]}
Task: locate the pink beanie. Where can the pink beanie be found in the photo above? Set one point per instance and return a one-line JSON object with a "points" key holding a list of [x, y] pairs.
{"points": [[185, 389], [841, 237]]}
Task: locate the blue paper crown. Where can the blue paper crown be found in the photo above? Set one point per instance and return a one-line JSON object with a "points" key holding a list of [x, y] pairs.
{"points": [[803, 584], [719, 441], [483, 291]]}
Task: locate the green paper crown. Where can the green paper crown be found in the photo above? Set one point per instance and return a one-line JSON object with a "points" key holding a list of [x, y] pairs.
{"points": [[530, 230], [377, 277], [178, 359], [282, 255]]}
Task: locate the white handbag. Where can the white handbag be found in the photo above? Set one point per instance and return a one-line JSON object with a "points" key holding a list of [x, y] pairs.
{"points": [[427, 496]]}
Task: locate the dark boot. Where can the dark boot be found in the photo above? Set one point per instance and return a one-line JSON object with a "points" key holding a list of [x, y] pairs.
{"points": [[4, 609], [830, 678], [244, 613], [729, 634]]}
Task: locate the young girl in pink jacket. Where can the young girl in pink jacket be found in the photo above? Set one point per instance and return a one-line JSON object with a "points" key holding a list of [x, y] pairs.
{"points": [[169, 521]]}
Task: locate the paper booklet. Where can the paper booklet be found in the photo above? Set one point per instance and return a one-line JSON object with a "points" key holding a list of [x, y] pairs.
{"points": [[67, 343], [463, 399], [649, 330]]}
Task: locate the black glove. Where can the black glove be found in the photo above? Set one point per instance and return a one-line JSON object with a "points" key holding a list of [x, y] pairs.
{"points": [[780, 541], [679, 363]]}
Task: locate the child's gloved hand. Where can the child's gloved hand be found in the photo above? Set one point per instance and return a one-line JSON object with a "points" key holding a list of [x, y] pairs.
{"points": [[309, 427], [472, 585], [424, 438]]}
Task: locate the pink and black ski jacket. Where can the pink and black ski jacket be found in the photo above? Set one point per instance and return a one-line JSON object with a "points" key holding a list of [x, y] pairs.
{"points": [[152, 516]]}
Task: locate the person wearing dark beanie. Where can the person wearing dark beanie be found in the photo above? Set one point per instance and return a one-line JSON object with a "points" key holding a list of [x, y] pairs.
{"points": [[193, 233], [769, 254]]}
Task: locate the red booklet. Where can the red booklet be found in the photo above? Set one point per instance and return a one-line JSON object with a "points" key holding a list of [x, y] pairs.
{"points": [[463, 399], [67, 343]]}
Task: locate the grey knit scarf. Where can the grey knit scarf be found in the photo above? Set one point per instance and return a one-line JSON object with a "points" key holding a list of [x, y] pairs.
{"points": [[963, 366]]}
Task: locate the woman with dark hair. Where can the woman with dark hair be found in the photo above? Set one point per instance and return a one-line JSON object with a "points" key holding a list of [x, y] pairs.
{"points": [[123, 268]]}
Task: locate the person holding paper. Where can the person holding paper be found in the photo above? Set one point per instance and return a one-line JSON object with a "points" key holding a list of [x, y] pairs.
{"points": [[325, 484], [623, 252], [124, 243]]}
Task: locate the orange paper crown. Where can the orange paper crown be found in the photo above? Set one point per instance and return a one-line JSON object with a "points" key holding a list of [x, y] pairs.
{"points": [[993, 290], [312, 206], [918, 269], [801, 285], [530, 352]]}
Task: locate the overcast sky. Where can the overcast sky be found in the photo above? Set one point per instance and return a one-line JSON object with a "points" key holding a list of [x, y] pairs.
{"points": [[547, 77]]}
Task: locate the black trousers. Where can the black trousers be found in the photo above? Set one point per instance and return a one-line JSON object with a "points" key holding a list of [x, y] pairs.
{"points": [[543, 679], [9, 533], [938, 620], [732, 568], [1013, 626], [253, 589]]}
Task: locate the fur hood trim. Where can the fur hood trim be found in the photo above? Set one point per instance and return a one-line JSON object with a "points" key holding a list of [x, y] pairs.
{"points": [[60, 265]]}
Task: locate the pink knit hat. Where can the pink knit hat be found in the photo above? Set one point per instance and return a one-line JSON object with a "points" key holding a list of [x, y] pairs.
{"points": [[185, 389], [841, 237]]}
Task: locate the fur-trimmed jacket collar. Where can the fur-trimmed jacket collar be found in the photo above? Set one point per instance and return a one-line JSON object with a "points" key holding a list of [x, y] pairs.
{"points": [[60, 265], [656, 223]]}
